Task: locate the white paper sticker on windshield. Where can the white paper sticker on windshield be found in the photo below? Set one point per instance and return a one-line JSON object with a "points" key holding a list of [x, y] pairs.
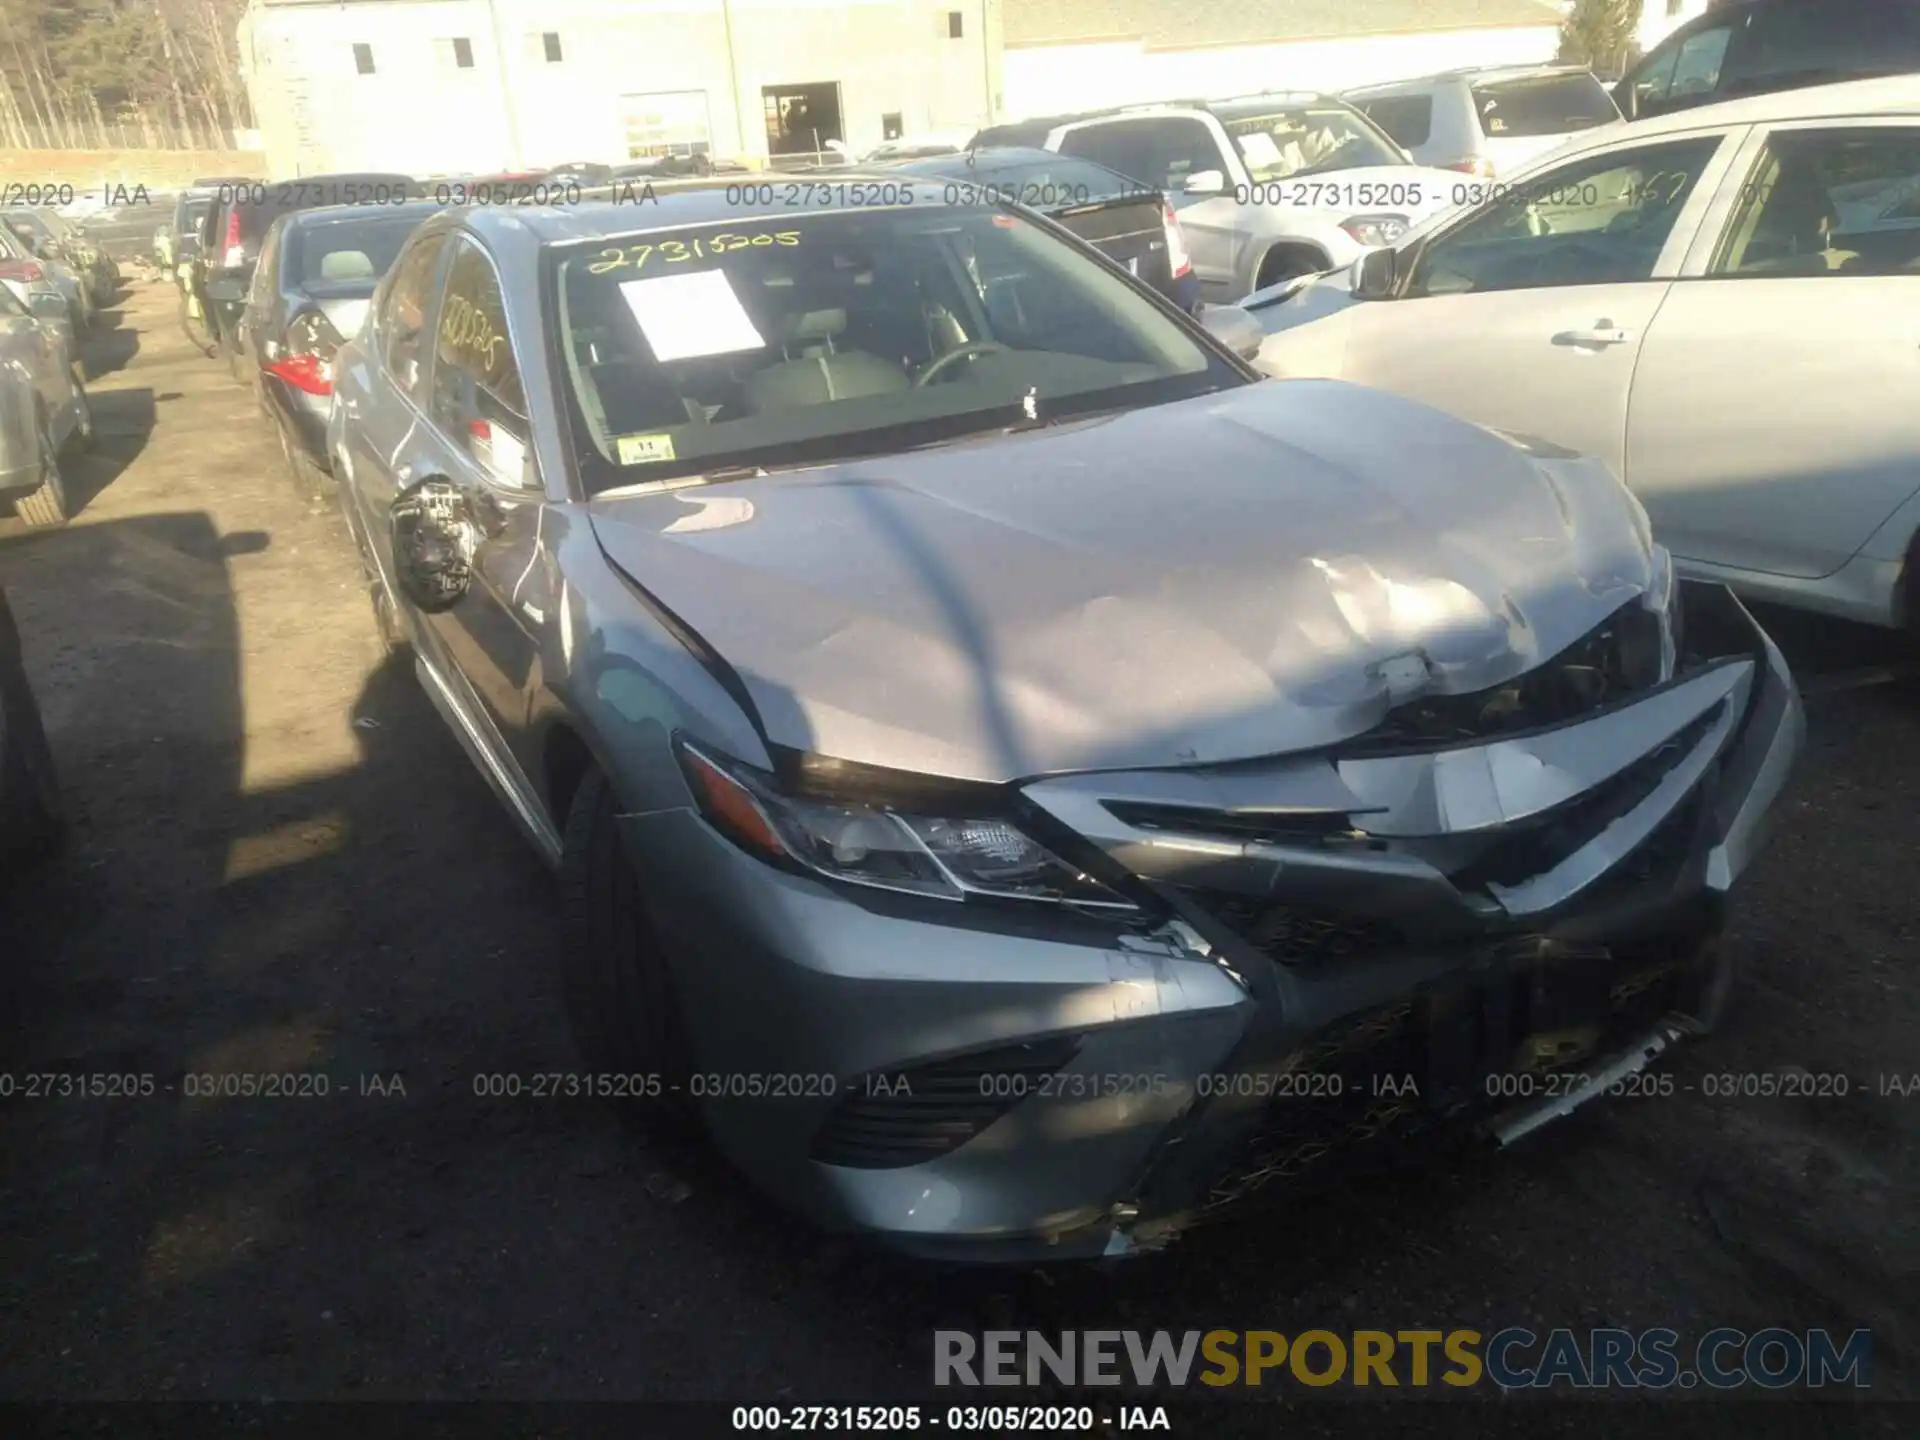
{"points": [[643, 449], [692, 314], [1261, 152]]}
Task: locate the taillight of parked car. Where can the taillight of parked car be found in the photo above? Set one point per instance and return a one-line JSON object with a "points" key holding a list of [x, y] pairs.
{"points": [[26, 270], [1473, 165], [236, 255], [1177, 258], [306, 362]]}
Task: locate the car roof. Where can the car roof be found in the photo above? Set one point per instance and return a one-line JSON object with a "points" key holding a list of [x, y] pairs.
{"points": [[315, 215], [1888, 95], [1483, 74]]}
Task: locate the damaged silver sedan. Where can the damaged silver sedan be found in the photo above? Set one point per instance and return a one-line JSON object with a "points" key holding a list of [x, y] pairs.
{"points": [[1024, 786]]}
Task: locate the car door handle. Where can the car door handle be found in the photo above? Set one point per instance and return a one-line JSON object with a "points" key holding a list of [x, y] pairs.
{"points": [[1602, 334]]}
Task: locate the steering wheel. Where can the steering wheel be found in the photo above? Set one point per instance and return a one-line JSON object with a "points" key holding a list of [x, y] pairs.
{"points": [[966, 350]]}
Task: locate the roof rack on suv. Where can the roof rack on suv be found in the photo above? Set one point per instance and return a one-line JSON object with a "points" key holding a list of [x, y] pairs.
{"points": [[1290, 94]]}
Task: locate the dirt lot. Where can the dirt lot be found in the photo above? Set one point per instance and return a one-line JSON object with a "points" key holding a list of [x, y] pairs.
{"points": [[282, 862]]}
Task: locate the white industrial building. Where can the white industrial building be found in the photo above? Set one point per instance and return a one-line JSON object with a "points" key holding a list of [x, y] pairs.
{"points": [[1063, 54], [446, 86]]}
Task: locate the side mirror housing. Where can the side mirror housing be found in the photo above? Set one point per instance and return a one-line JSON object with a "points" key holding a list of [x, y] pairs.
{"points": [[49, 306], [1376, 274], [1204, 182], [1234, 328], [433, 536]]}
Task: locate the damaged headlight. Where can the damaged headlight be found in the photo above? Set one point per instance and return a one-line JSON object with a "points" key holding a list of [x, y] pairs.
{"points": [[947, 858]]}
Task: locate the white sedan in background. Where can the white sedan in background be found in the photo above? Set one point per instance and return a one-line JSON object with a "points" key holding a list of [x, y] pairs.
{"points": [[1723, 305]]}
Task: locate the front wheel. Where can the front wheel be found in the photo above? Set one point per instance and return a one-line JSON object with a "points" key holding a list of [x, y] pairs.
{"points": [[619, 995], [47, 506]]}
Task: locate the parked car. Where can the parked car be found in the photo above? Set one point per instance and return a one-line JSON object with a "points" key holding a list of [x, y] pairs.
{"points": [[316, 273], [127, 233], [669, 167], [44, 411], [927, 725], [1754, 47], [51, 234], [1130, 223], [237, 223], [31, 270], [1717, 304], [1266, 186], [31, 814], [917, 147], [1487, 121]]}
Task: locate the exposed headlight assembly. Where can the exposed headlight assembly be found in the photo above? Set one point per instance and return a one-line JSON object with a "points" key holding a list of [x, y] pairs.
{"points": [[1663, 598], [1375, 229], [946, 858]]}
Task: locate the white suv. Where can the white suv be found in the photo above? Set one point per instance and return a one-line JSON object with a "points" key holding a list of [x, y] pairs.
{"points": [[1266, 187], [1486, 122]]}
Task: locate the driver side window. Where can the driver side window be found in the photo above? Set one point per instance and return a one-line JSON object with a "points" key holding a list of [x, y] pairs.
{"points": [[1593, 222]]}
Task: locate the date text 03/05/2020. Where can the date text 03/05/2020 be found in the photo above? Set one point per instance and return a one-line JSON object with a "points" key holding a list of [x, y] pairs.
{"points": [[959, 1419]]}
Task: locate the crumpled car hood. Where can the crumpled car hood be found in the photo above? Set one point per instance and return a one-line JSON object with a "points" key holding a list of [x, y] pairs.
{"points": [[1237, 575]]}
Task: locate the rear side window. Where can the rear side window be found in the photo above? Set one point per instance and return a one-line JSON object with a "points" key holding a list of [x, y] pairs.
{"points": [[404, 314], [1830, 202], [477, 399], [1543, 105], [1407, 118]]}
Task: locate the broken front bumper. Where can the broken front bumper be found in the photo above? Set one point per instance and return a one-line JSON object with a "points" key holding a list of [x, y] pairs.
{"points": [[1407, 947]]}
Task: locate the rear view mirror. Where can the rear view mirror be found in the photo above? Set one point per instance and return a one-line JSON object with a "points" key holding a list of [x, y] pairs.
{"points": [[1234, 328], [1376, 274], [1204, 182]]}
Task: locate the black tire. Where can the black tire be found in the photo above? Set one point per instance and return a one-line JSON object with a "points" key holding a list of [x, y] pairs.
{"points": [[31, 816], [82, 438], [47, 506], [619, 994]]}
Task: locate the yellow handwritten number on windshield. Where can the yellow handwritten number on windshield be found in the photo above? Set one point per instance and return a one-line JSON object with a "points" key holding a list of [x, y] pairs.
{"points": [[674, 252]]}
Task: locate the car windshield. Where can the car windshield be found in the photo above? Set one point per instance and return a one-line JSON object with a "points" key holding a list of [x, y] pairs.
{"points": [[1543, 105], [354, 252], [1309, 140], [800, 339]]}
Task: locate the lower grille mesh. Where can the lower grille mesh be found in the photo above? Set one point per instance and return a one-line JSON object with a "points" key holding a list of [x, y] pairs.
{"points": [[891, 1119]]}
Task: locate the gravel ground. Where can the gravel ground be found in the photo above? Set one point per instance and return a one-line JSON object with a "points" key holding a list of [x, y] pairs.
{"points": [[281, 861]]}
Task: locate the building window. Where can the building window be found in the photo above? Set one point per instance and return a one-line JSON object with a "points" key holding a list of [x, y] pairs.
{"points": [[955, 27], [550, 44], [363, 59], [1676, 7], [666, 123], [890, 126], [456, 52]]}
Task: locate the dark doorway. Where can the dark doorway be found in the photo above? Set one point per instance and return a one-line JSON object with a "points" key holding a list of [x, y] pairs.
{"points": [[801, 119]]}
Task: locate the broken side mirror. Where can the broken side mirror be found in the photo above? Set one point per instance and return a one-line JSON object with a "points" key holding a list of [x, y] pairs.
{"points": [[433, 537], [1376, 274], [1234, 328]]}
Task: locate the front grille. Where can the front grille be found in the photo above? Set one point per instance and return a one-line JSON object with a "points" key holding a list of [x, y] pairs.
{"points": [[891, 1119], [1545, 841], [1380, 1088], [1299, 935]]}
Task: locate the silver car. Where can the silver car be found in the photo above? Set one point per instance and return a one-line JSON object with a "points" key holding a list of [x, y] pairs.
{"points": [[22, 264], [1025, 786], [43, 403]]}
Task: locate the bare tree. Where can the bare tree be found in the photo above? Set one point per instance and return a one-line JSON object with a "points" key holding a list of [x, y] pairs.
{"points": [[1600, 34]]}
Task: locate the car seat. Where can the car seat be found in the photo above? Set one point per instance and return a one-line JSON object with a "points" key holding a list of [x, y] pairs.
{"points": [[813, 372]]}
